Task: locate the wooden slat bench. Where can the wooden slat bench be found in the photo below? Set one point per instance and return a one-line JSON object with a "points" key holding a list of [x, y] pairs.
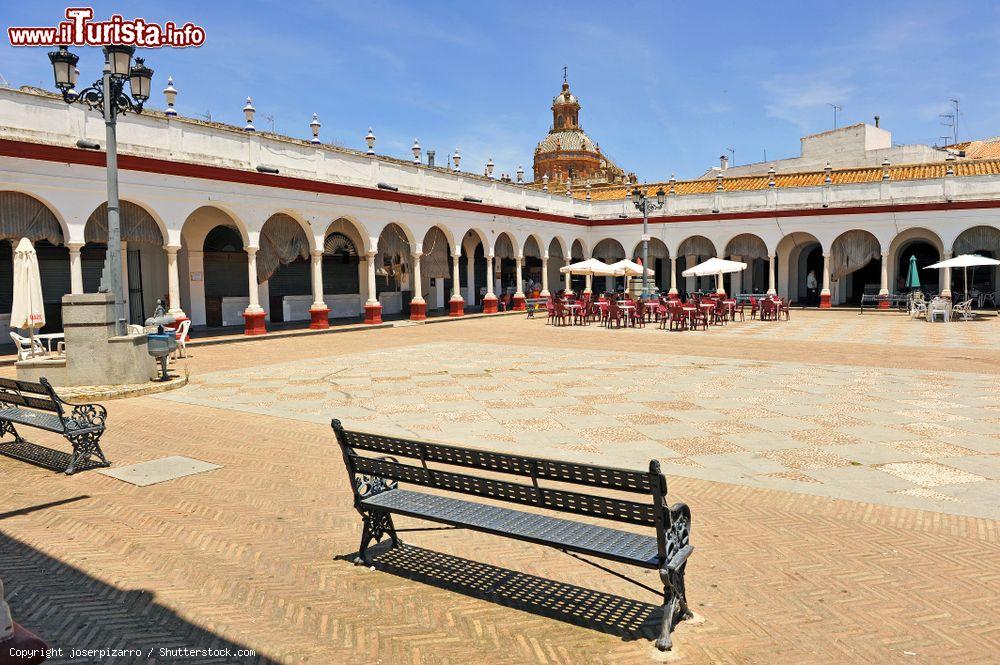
{"points": [[377, 496], [37, 405]]}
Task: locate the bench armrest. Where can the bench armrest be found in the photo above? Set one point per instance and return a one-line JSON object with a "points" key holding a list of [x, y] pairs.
{"points": [[86, 416]]}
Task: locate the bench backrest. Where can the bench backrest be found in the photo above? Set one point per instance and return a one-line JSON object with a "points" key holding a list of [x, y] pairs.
{"points": [[31, 395], [652, 483]]}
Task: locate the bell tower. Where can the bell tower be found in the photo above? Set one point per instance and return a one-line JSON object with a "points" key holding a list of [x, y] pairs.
{"points": [[565, 107]]}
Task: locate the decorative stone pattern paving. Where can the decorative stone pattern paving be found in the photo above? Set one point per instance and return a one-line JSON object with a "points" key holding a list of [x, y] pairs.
{"points": [[912, 438]]}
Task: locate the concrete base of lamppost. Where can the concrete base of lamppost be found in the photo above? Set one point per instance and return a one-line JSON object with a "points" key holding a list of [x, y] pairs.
{"points": [[95, 354]]}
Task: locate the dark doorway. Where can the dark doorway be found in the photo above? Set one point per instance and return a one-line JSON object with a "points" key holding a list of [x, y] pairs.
{"points": [[926, 255], [225, 271]]}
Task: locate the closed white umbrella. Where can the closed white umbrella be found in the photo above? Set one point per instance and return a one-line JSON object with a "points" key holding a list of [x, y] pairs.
{"points": [[630, 268], [28, 308], [965, 261]]}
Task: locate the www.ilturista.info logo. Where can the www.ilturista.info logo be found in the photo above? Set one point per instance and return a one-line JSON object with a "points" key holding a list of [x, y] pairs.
{"points": [[80, 30]]}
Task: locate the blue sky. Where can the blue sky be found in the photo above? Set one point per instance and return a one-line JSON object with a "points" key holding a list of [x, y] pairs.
{"points": [[665, 86]]}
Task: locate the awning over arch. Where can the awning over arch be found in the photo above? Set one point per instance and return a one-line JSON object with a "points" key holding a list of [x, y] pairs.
{"points": [[696, 246], [852, 251], [657, 250], [338, 244], [609, 249], [435, 260], [282, 241], [531, 248], [393, 252], [136, 224], [977, 239], [22, 216], [747, 246], [504, 247]]}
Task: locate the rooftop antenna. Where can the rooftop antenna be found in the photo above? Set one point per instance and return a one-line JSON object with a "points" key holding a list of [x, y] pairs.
{"points": [[954, 103], [836, 109], [732, 156], [207, 115], [3, 82], [565, 74], [951, 122], [270, 119]]}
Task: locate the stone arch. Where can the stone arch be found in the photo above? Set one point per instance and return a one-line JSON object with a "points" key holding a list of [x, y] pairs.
{"points": [[919, 242], [977, 239], [796, 254], [659, 261], [697, 245], [559, 243], [855, 264], [609, 250], [393, 266], [208, 279], [28, 216], [505, 246], [137, 222], [578, 250], [353, 229]]}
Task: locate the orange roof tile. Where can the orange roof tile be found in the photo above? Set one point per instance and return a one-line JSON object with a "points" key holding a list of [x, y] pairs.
{"points": [[807, 179]]}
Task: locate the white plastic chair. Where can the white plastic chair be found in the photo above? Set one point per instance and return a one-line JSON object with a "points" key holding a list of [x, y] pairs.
{"points": [[24, 346], [939, 307], [182, 337], [134, 329], [963, 310]]}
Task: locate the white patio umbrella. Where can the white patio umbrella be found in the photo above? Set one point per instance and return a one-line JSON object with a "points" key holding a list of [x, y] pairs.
{"points": [[630, 269], [591, 267], [965, 261], [28, 308], [715, 266]]}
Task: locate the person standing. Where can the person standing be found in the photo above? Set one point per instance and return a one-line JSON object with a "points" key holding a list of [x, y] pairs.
{"points": [[811, 295]]}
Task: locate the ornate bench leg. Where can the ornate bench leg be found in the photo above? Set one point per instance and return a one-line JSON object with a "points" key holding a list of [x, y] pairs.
{"points": [[376, 525], [675, 605], [7, 427], [84, 446]]}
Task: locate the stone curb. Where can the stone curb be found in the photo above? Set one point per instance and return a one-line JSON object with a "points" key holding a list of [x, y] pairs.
{"points": [[80, 394]]}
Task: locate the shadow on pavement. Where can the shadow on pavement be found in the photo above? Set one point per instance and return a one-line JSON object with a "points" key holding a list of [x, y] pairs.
{"points": [[615, 615], [69, 609]]}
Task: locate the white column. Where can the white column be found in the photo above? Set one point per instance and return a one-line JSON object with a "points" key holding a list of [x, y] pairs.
{"points": [[569, 277], [317, 279], [545, 277], [173, 283], [470, 276], [770, 275], [673, 274], [884, 286], [519, 293], [418, 287], [826, 275], [254, 306], [946, 278], [490, 293], [691, 283], [735, 278], [372, 293], [75, 268], [455, 284]]}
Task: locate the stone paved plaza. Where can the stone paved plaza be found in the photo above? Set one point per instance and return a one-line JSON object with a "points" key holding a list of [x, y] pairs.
{"points": [[843, 472]]}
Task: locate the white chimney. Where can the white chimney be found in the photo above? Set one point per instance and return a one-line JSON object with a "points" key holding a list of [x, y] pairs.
{"points": [[723, 162]]}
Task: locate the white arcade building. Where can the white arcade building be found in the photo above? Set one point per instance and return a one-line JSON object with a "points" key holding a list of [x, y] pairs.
{"points": [[328, 233]]}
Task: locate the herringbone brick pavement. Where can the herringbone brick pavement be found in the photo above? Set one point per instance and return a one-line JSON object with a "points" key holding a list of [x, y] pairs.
{"points": [[251, 556]]}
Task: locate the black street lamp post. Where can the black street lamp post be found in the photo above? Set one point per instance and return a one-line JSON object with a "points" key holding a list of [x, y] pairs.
{"points": [[108, 96], [646, 206]]}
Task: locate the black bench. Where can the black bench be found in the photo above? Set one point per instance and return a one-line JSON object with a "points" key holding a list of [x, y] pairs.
{"points": [[377, 496], [37, 405]]}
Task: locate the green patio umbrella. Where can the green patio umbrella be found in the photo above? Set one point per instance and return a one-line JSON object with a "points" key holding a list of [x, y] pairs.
{"points": [[913, 277]]}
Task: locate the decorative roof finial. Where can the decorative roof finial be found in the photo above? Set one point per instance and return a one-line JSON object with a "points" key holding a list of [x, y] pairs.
{"points": [[565, 74]]}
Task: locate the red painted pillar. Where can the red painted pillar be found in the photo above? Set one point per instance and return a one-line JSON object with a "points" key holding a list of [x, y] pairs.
{"points": [[319, 318], [418, 310], [490, 304], [456, 307], [254, 323], [824, 301], [373, 313]]}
